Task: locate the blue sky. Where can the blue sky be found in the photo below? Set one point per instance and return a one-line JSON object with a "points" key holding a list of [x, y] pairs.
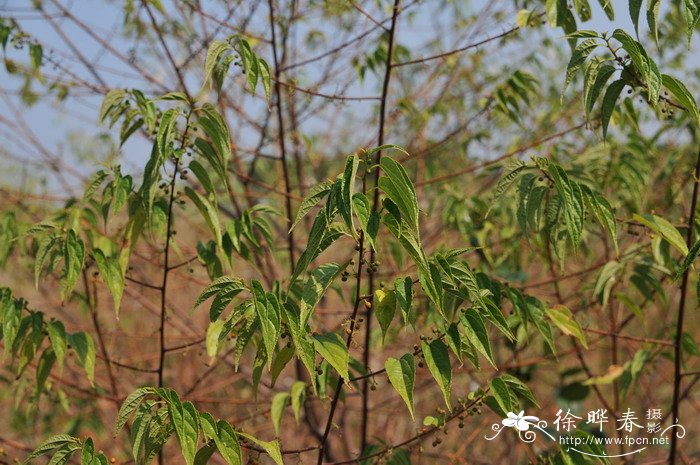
{"points": [[79, 115]]}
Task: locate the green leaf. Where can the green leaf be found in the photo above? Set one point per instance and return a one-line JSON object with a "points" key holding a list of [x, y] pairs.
{"points": [[664, 229], [691, 13], [212, 340], [578, 59], [602, 211], [402, 374], [222, 299], [314, 289], [312, 246], [216, 49], [347, 188], [54, 442], [204, 454], [279, 402], [57, 336], [184, 418], [208, 211], [332, 348], [612, 93], [73, 258], [265, 78], [85, 348], [87, 454], [43, 369], [476, 333], [507, 179], [223, 284], [645, 65], [431, 282], [227, 442], [202, 176], [384, 308], [112, 274], [271, 447], [613, 372], [112, 100], [501, 393], [572, 201], [315, 195], [635, 7], [437, 358], [214, 126], [515, 385], [36, 53], [683, 95], [131, 403], [398, 187], [597, 75], [403, 289], [279, 361], [269, 315], [688, 260], [369, 221], [653, 18], [454, 340], [564, 320], [223, 436], [298, 395]]}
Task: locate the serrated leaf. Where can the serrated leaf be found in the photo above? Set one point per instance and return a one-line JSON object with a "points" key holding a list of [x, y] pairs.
{"points": [[54, 442], [314, 196], [112, 274], [683, 95], [212, 340], [506, 180], [517, 386], [208, 211], [347, 190], [57, 336], [218, 285], [564, 320], [332, 348], [312, 246], [476, 333], [216, 49], [73, 259], [398, 187], [572, 202], [129, 406], [403, 287], [691, 13], [653, 18], [612, 93], [271, 447], [315, 287], [500, 392], [227, 443], [664, 229], [645, 65], [635, 6], [279, 402], [596, 78], [384, 308], [578, 59], [298, 396], [402, 374], [268, 311], [437, 358], [184, 418], [85, 348]]}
